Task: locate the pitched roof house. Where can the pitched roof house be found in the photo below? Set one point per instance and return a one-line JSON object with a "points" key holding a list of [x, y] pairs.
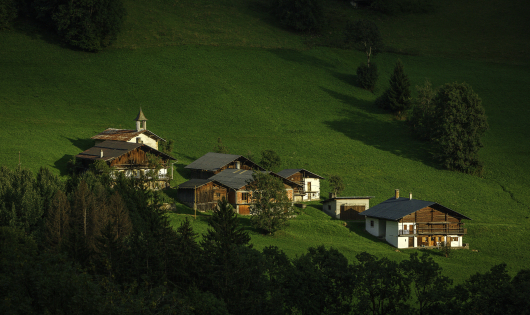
{"points": [[131, 158], [213, 163], [409, 223], [309, 181], [232, 184]]}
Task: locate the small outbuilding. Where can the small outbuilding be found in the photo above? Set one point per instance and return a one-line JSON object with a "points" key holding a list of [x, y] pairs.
{"points": [[346, 208]]}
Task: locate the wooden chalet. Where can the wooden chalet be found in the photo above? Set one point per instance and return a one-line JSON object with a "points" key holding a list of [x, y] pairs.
{"points": [[310, 183], [131, 158], [139, 135], [212, 163], [232, 184], [411, 223]]}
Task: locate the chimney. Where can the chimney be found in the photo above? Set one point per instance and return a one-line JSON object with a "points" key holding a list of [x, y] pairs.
{"points": [[410, 196], [331, 195], [101, 153], [397, 193]]}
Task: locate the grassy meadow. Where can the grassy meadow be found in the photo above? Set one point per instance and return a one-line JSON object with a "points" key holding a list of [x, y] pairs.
{"points": [[203, 70]]}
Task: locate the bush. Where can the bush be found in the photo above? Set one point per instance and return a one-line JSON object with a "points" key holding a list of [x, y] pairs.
{"points": [[300, 15], [8, 12], [367, 76]]}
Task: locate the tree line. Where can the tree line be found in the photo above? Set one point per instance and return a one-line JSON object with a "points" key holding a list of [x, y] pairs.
{"points": [[89, 25], [82, 246]]}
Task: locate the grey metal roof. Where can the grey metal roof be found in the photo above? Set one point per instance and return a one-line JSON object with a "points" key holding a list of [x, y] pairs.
{"points": [[233, 178], [395, 209], [194, 183], [288, 172], [212, 161], [113, 149]]}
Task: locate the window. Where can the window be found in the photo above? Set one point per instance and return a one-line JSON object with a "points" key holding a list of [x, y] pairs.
{"points": [[454, 239], [371, 222], [329, 207], [245, 197], [218, 195]]}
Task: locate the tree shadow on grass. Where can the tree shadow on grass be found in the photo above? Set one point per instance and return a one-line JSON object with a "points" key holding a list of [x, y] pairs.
{"points": [[38, 31], [300, 57], [81, 143], [361, 122], [346, 78], [62, 164]]}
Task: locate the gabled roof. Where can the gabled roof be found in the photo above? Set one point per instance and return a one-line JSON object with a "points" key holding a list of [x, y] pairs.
{"points": [[123, 134], [233, 178], [194, 183], [212, 161], [288, 172], [395, 209], [113, 149], [236, 179]]}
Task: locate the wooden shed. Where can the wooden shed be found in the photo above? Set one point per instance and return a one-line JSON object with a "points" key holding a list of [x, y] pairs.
{"points": [[213, 163]]}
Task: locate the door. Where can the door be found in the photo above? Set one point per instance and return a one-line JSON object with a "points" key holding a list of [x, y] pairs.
{"points": [[411, 229], [351, 213], [411, 241], [244, 209], [309, 189]]}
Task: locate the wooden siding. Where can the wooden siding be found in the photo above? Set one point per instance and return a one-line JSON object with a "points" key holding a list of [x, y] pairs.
{"points": [[136, 157], [430, 220], [205, 197], [351, 213]]}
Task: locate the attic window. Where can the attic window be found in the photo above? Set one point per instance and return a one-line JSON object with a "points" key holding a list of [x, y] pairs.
{"points": [[372, 223]]}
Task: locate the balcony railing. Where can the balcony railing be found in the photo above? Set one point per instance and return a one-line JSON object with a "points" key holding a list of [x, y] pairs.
{"points": [[439, 231]]}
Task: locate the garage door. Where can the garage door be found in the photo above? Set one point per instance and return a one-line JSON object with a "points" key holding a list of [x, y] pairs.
{"points": [[351, 213]]}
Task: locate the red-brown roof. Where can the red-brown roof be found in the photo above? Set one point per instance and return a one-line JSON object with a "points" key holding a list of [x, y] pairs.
{"points": [[123, 134]]}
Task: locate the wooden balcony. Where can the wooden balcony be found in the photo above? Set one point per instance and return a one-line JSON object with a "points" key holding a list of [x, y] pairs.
{"points": [[433, 231]]}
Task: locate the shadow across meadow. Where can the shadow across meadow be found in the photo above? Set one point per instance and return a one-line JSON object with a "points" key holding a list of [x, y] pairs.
{"points": [[361, 122]]}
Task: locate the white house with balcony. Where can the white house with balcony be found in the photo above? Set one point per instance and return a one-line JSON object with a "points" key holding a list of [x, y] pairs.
{"points": [[412, 223], [308, 180]]}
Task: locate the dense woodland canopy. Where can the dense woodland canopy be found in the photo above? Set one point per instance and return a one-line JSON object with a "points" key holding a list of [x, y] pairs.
{"points": [[83, 246]]}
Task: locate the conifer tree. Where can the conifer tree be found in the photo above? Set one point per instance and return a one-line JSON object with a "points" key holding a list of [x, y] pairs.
{"points": [[57, 225], [398, 95], [188, 253]]}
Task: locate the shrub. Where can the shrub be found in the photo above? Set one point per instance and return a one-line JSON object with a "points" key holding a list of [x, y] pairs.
{"points": [[8, 12], [367, 76], [270, 160], [300, 15]]}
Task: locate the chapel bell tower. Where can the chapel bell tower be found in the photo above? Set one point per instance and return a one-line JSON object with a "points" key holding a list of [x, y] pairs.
{"points": [[140, 119]]}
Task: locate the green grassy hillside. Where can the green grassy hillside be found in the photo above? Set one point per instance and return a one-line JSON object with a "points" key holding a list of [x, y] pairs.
{"points": [[202, 71]]}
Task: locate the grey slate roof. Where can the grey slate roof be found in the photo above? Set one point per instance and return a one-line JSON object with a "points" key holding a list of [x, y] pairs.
{"points": [[288, 172], [212, 161], [113, 149], [395, 209], [233, 178], [194, 183]]}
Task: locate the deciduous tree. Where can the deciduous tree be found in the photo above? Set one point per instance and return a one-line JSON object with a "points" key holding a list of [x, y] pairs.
{"points": [[270, 207], [460, 123]]}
